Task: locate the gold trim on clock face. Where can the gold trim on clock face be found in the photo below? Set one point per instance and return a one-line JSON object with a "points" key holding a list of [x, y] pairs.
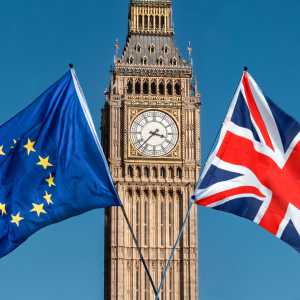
{"points": [[154, 133]]}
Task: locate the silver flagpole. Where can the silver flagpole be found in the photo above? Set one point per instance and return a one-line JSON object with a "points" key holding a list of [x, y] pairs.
{"points": [[168, 265]]}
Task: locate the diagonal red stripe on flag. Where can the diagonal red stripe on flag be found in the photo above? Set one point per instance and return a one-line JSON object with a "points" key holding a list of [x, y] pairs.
{"points": [[255, 112]]}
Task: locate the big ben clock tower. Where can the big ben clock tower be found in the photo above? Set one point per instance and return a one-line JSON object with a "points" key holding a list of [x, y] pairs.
{"points": [[151, 136]]}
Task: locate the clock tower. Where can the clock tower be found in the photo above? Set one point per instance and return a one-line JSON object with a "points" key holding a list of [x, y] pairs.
{"points": [[151, 137]]}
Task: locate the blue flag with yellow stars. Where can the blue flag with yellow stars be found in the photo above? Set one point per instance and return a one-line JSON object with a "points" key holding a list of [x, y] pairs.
{"points": [[52, 166]]}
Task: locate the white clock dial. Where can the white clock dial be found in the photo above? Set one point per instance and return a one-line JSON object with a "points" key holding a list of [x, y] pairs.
{"points": [[154, 133]]}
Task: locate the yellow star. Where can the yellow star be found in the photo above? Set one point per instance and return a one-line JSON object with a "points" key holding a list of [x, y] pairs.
{"points": [[44, 162], [30, 146], [50, 181], [38, 208], [48, 198], [16, 219], [2, 153], [3, 208]]}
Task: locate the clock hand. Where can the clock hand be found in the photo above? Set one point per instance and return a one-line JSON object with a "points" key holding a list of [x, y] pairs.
{"points": [[157, 134], [151, 135]]}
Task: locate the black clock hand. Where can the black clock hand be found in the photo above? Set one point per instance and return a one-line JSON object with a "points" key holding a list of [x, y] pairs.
{"points": [[157, 134], [151, 135]]}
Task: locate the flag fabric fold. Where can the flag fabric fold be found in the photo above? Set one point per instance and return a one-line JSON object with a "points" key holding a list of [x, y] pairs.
{"points": [[254, 171], [52, 166]]}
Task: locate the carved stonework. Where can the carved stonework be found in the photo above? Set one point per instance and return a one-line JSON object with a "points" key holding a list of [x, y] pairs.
{"points": [[151, 75]]}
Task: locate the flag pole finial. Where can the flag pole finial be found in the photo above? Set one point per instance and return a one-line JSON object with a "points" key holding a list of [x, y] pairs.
{"points": [[245, 68], [71, 66]]}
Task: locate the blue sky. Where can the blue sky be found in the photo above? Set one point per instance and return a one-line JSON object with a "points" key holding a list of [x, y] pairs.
{"points": [[38, 39]]}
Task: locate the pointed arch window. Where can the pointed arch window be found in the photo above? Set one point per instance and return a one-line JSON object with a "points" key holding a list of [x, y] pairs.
{"points": [[138, 48], [140, 22], [161, 88], [130, 171], [179, 173], [170, 88], [130, 60], [152, 48], [178, 88], [160, 61], [145, 22], [146, 87], [151, 22], [162, 22], [144, 60], [163, 172], [138, 87], [129, 87], [138, 172], [153, 88], [154, 172], [171, 172], [146, 172]]}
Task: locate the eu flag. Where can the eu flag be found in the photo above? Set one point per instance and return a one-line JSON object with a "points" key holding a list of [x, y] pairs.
{"points": [[52, 166]]}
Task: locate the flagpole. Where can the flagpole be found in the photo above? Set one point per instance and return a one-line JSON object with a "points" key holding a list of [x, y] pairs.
{"points": [[168, 265], [139, 250]]}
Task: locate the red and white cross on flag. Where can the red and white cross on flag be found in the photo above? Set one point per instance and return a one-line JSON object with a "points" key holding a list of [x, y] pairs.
{"points": [[254, 171]]}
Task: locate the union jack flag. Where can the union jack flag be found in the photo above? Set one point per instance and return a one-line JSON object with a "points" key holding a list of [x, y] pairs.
{"points": [[254, 170]]}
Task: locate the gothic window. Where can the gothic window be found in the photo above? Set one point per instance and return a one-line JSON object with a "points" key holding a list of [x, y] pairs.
{"points": [[161, 88], [163, 172], [165, 49], [138, 172], [138, 48], [157, 22], [140, 22], [151, 22], [130, 171], [146, 87], [153, 88], [130, 60], [146, 172], [171, 172], [152, 49], [160, 61], [174, 61], [178, 88], [146, 22], [144, 60], [179, 173], [170, 88], [162, 223], [162, 22], [138, 87], [129, 87], [154, 172]]}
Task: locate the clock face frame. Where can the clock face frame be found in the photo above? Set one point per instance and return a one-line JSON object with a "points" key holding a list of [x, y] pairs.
{"points": [[154, 133]]}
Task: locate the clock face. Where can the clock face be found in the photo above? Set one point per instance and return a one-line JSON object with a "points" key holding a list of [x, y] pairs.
{"points": [[154, 133]]}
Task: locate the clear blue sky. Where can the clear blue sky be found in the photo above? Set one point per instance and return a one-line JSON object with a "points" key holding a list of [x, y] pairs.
{"points": [[238, 260]]}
